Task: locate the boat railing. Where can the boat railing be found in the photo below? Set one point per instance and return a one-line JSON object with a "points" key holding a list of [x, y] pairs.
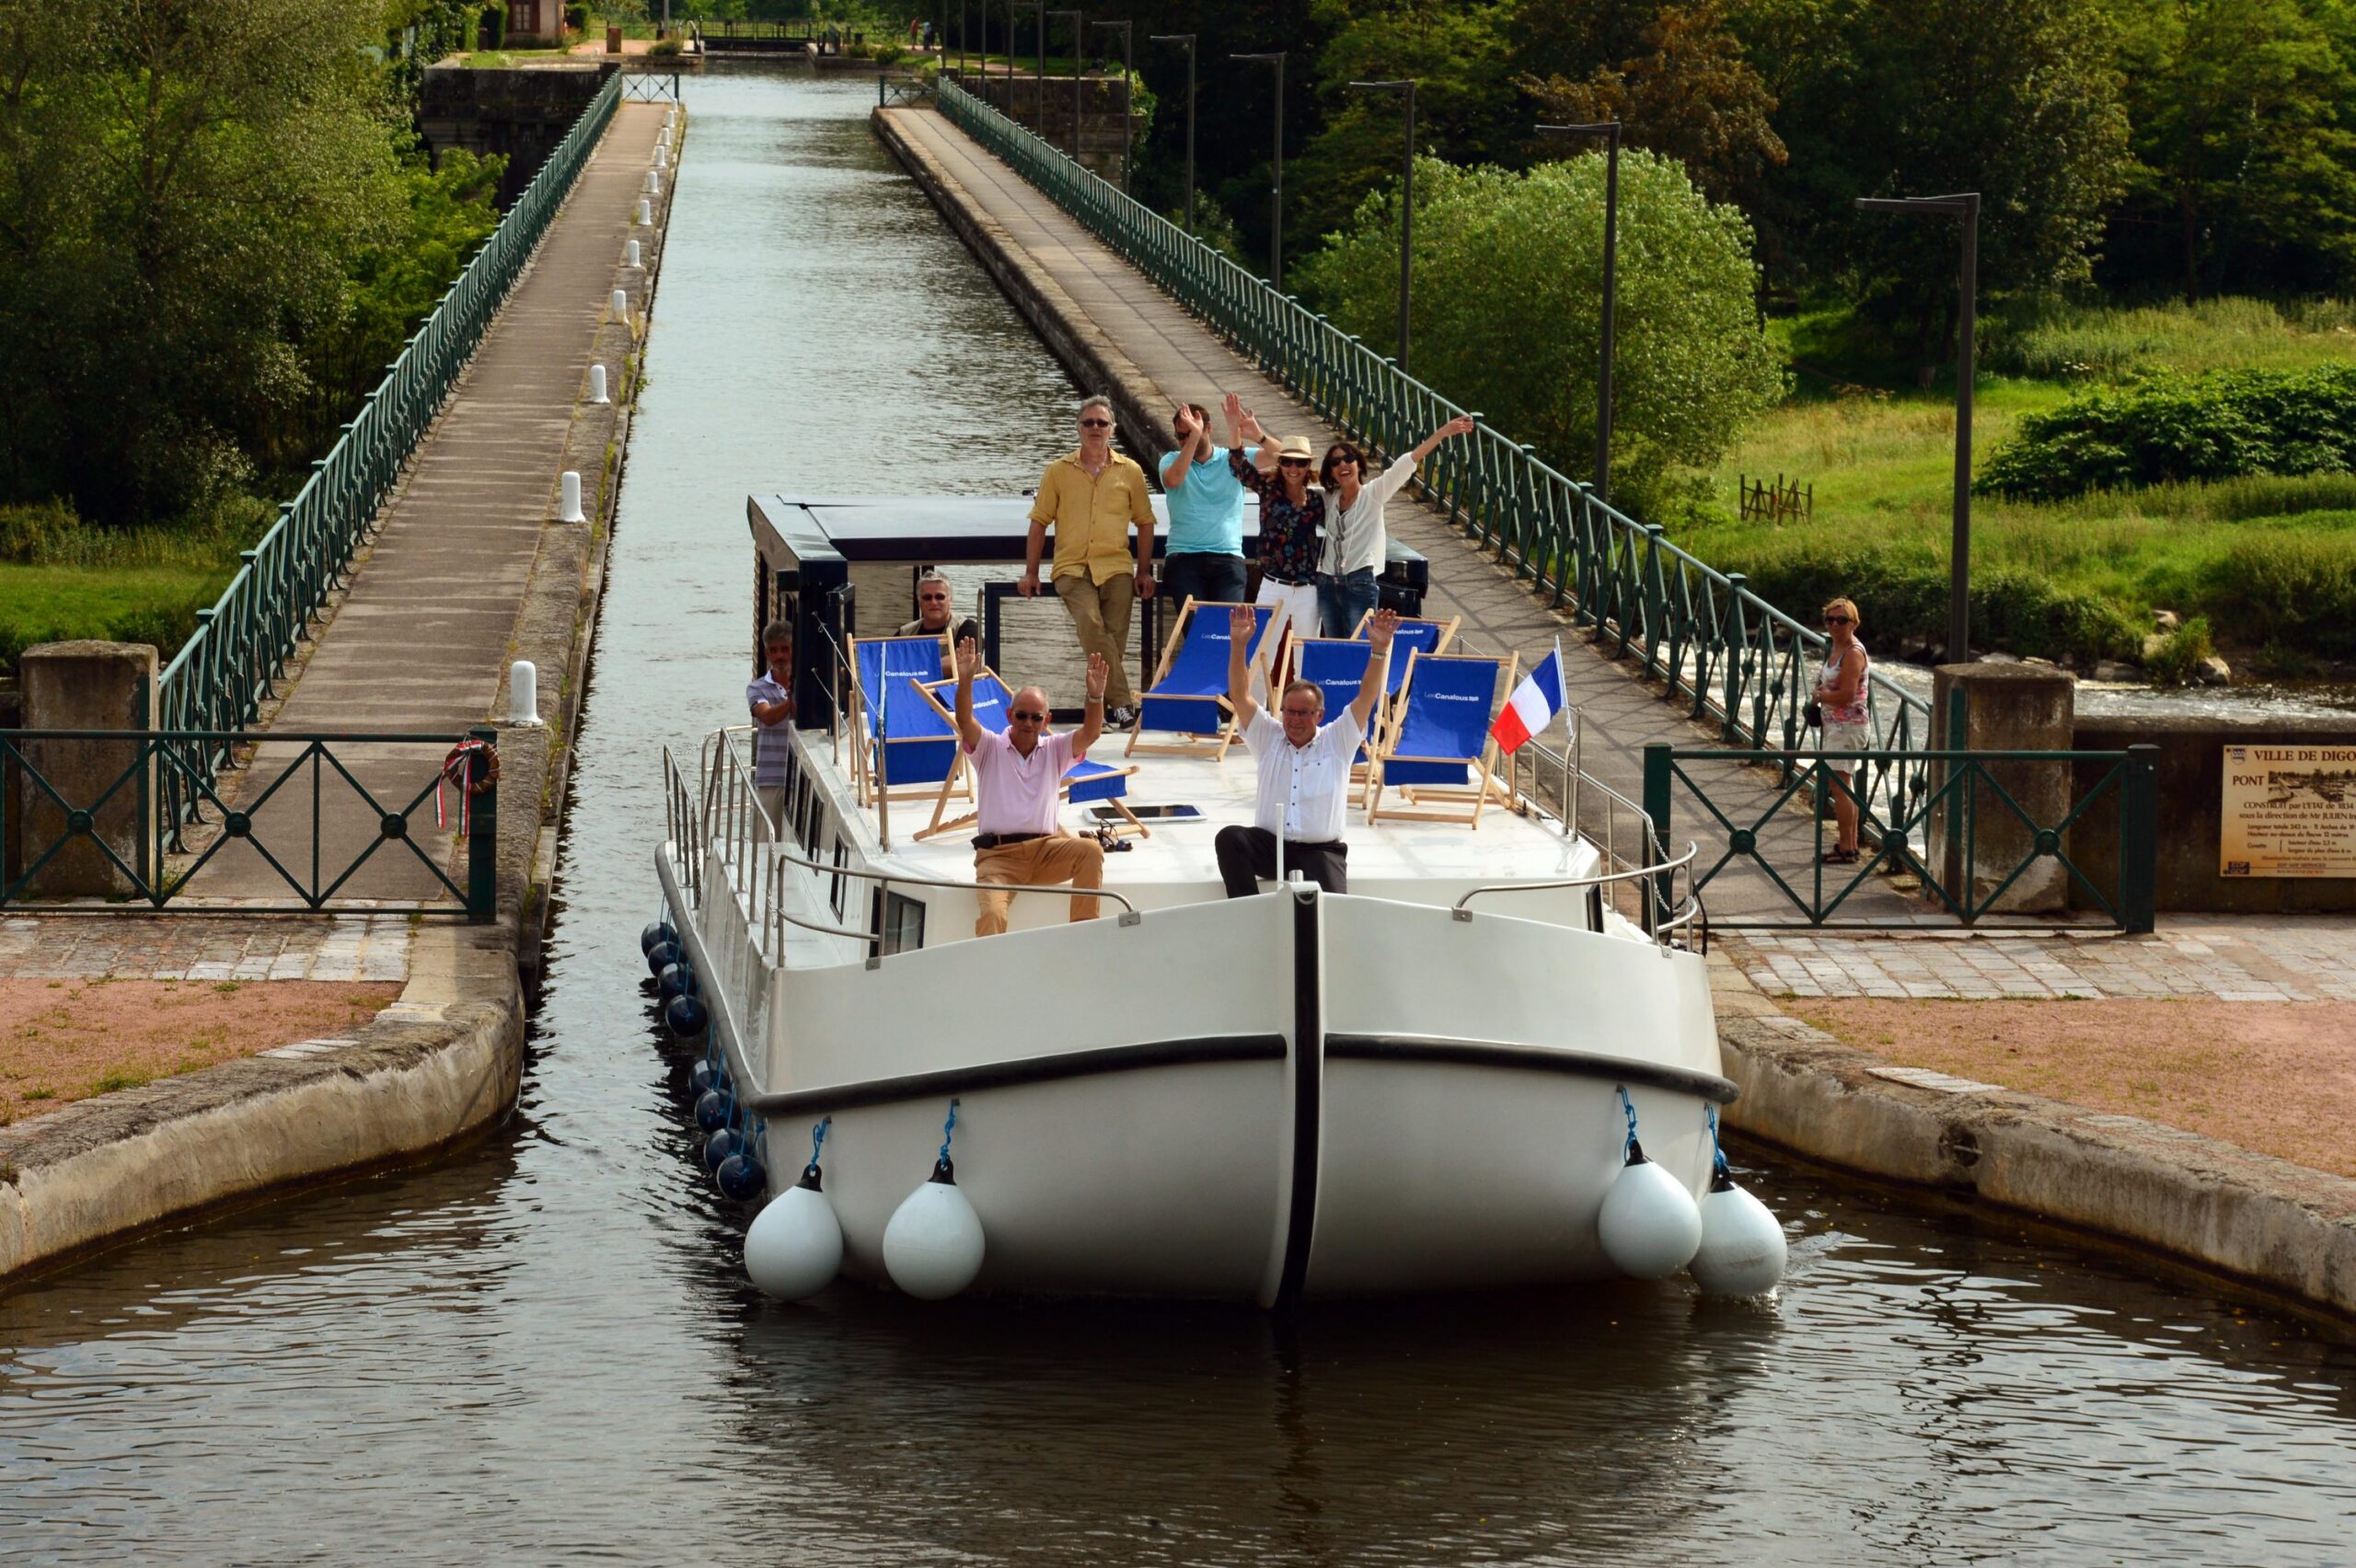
{"points": [[1648, 879]]}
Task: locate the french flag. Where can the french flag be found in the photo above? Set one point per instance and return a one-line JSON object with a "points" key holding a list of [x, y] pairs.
{"points": [[1532, 706]]}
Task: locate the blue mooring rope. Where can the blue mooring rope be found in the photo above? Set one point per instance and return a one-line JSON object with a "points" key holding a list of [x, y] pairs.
{"points": [[1629, 1106], [1717, 1155], [948, 1129], [817, 1141]]}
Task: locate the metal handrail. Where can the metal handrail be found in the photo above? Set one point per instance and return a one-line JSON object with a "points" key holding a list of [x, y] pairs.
{"points": [[222, 675], [1683, 862], [1129, 912], [1735, 657]]}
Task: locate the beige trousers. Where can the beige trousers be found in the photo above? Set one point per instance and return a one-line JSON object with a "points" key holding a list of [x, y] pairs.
{"points": [[1039, 862], [1099, 614]]}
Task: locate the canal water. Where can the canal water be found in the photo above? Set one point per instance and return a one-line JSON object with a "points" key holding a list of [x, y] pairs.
{"points": [[541, 1348]]}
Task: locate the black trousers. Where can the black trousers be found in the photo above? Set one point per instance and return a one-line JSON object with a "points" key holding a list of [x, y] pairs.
{"points": [[1217, 579], [1248, 855]]}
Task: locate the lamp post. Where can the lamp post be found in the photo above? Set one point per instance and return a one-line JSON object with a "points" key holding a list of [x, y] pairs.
{"points": [[1610, 131], [1275, 176], [1406, 90], [961, 37], [1188, 40], [1128, 117], [1040, 126], [1074, 18], [1966, 206]]}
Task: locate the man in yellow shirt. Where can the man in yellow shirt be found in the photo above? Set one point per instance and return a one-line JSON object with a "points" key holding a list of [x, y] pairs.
{"points": [[1093, 498]]}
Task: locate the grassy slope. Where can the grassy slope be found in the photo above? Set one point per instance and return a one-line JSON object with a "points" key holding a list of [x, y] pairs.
{"points": [[141, 604], [1882, 464]]}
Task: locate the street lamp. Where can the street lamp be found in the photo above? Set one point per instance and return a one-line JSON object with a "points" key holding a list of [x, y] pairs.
{"points": [[1128, 118], [1074, 17], [1188, 40], [1041, 125], [1966, 206], [961, 37], [1610, 131], [1406, 90], [1275, 176]]}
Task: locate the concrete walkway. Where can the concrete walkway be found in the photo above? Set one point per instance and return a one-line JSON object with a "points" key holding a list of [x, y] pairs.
{"points": [[421, 639], [1103, 309]]}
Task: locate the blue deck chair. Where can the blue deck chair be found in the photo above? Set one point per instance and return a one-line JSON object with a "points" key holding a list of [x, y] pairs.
{"points": [[918, 749], [1438, 753], [1188, 697], [1083, 781], [1334, 665], [1413, 637]]}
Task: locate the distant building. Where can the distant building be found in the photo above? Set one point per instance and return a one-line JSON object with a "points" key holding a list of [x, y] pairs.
{"points": [[535, 21]]}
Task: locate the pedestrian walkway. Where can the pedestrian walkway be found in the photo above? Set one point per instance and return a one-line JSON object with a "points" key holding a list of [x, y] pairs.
{"points": [[1163, 356], [344, 947], [2213, 957], [421, 639]]}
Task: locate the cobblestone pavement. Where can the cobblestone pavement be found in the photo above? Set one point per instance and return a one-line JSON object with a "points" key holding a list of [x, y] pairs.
{"points": [[2225, 958], [183, 947]]}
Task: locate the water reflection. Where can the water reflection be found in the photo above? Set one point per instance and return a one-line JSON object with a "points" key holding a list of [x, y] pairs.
{"points": [[542, 1347]]}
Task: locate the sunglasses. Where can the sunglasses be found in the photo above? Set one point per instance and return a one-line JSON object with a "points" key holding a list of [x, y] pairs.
{"points": [[1292, 462], [1096, 424], [1837, 620], [1027, 716], [934, 598]]}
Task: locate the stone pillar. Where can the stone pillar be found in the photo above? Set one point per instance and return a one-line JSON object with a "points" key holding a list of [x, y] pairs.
{"points": [[2007, 708], [87, 685]]}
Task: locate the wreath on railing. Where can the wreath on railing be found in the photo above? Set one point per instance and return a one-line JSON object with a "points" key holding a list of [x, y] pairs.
{"points": [[472, 768]]}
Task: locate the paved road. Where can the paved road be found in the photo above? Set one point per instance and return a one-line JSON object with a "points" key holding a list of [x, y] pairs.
{"points": [[422, 638], [1165, 356]]}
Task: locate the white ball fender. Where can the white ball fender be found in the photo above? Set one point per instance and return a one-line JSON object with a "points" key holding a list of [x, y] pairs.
{"points": [[795, 1245], [1650, 1227], [1742, 1251], [933, 1247]]}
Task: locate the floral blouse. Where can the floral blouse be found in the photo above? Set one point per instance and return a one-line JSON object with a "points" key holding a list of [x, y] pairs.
{"points": [[1289, 545]]}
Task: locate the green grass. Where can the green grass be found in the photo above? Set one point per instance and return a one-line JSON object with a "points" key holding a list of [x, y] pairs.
{"points": [[135, 604], [1881, 461]]}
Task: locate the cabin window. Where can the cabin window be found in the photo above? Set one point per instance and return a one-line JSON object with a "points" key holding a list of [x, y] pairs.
{"points": [[902, 923], [812, 829], [835, 895]]}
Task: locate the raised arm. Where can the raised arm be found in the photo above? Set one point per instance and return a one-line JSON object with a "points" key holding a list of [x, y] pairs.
{"points": [[1379, 632], [1241, 622], [1091, 720], [1189, 432], [969, 659], [1460, 425]]}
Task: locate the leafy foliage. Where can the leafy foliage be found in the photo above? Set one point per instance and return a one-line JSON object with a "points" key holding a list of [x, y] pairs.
{"points": [[2176, 429], [1507, 295]]}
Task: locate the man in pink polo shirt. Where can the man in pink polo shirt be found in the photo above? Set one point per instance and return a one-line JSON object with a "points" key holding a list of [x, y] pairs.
{"points": [[1017, 786]]}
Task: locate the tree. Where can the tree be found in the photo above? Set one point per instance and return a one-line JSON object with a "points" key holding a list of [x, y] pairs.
{"points": [[1509, 285], [1692, 96], [2241, 111], [182, 184]]}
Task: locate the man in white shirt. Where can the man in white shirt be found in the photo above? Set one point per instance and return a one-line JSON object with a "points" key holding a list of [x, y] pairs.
{"points": [[1018, 785], [1304, 768]]}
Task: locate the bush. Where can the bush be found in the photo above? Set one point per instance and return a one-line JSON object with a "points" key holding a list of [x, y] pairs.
{"points": [[577, 17], [889, 54], [2213, 427], [2297, 590], [2176, 660], [36, 534], [664, 47], [495, 27]]}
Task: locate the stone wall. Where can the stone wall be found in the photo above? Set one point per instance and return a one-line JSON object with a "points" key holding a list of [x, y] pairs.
{"points": [[520, 114], [2192, 771]]}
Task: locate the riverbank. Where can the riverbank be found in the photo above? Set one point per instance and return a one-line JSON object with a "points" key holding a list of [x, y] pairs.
{"points": [[444, 1059]]}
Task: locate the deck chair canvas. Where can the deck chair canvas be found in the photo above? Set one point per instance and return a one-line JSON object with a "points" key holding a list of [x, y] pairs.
{"points": [[1084, 782], [1438, 753], [1188, 694], [891, 717], [1413, 637], [1335, 665]]}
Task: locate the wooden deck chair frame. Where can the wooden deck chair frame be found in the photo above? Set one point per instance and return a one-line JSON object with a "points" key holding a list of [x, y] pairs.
{"points": [[960, 777], [1216, 744], [1469, 799], [863, 747]]}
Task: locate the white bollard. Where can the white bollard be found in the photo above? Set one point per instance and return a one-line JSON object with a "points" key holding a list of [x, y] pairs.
{"points": [[654, 183], [662, 157], [522, 693], [620, 304], [568, 502], [645, 211], [629, 257], [597, 385]]}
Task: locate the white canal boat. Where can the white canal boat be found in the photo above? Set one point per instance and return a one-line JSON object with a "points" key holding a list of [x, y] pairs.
{"points": [[1429, 1083]]}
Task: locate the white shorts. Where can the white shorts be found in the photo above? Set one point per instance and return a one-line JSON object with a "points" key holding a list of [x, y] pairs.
{"points": [[1846, 738]]}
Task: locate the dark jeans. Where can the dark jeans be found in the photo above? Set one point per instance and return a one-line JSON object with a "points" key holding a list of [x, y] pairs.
{"points": [[1213, 579], [1343, 602], [1248, 855]]}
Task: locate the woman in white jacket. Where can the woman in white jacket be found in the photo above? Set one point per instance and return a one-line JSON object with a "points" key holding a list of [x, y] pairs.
{"points": [[1356, 537]]}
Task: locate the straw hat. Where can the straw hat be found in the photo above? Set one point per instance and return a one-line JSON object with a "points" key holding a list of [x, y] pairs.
{"points": [[1296, 446]]}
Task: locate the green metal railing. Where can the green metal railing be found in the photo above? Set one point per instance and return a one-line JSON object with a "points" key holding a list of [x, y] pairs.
{"points": [[280, 817], [1938, 839], [219, 679], [1722, 650]]}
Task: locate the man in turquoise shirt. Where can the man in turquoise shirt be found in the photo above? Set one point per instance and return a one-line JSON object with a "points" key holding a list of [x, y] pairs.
{"points": [[1206, 501]]}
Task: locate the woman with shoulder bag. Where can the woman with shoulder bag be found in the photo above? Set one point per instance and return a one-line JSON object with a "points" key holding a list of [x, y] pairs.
{"points": [[1840, 706]]}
